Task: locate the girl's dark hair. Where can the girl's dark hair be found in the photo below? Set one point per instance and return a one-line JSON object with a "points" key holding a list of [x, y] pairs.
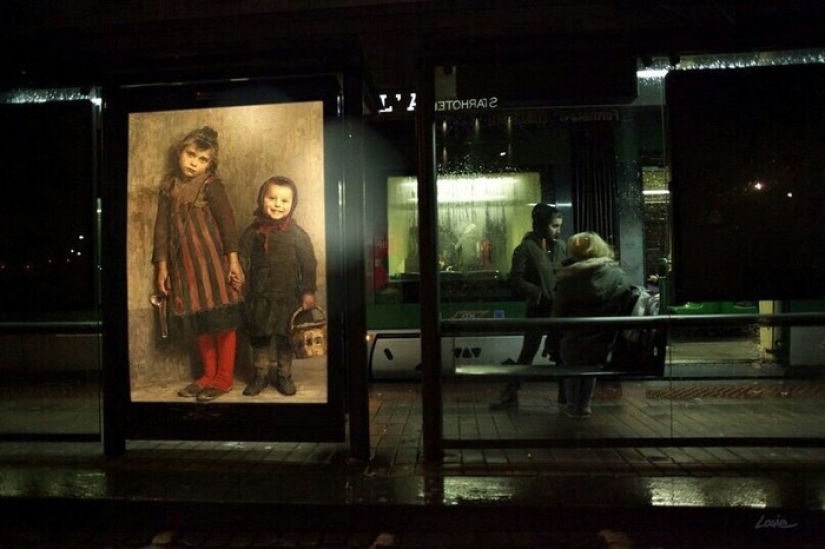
{"points": [[204, 139], [282, 181]]}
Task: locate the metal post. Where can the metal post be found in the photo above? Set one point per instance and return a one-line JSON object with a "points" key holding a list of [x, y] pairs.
{"points": [[354, 309], [427, 236]]}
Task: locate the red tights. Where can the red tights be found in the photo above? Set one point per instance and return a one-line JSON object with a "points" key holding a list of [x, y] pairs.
{"points": [[218, 356]]}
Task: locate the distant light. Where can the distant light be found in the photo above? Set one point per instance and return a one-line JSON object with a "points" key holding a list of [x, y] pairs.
{"points": [[81, 237], [758, 186], [790, 195], [656, 191], [503, 153]]}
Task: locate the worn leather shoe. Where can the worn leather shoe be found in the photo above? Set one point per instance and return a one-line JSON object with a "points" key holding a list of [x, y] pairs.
{"points": [[285, 385], [258, 384], [190, 391], [210, 393]]}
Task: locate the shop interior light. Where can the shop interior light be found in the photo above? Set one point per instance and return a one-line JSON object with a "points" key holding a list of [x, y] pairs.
{"points": [[651, 73], [460, 189]]}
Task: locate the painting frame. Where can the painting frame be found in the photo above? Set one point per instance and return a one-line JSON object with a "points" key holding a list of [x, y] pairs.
{"points": [[256, 118]]}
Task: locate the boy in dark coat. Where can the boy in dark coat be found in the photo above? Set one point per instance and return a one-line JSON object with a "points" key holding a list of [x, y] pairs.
{"points": [[280, 265]]}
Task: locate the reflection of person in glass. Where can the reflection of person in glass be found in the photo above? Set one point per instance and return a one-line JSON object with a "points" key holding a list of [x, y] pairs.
{"points": [[278, 257], [196, 260], [533, 278]]}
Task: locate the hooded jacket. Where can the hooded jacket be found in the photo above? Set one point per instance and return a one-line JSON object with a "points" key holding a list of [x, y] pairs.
{"points": [[589, 288], [280, 266]]}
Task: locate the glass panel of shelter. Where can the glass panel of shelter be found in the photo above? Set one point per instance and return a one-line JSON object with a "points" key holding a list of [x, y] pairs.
{"points": [[493, 165]]}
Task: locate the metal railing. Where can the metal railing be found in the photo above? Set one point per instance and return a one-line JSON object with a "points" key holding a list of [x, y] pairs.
{"points": [[463, 327]]}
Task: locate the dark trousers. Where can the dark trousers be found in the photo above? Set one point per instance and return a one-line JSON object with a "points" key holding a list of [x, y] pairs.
{"points": [[532, 337], [531, 344]]}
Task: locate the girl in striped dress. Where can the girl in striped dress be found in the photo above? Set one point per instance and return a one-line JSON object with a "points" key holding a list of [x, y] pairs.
{"points": [[196, 259]]}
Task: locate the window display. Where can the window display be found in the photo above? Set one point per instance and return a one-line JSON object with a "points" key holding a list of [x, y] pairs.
{"points": [[481, 219]]}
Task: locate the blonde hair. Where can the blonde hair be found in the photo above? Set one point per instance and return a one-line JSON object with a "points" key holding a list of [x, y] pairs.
{"points": [[587, 245]]}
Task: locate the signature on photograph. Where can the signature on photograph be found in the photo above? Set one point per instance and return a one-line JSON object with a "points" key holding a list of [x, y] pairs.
{"points": [[778, 522]]}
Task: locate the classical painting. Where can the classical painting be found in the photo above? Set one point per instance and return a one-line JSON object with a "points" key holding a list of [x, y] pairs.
{"points": [[225, 255]]}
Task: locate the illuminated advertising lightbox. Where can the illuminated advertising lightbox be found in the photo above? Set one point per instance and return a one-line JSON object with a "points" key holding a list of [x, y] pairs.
{"points": [[224, 293]]}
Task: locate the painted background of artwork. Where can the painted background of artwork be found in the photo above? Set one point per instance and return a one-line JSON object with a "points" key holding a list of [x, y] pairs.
{"points": [[256, 142]]}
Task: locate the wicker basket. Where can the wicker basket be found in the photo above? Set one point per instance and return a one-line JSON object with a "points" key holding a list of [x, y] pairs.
{"points": [[309, 335]]}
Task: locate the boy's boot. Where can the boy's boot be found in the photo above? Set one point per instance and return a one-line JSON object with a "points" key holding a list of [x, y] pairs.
{"points": [[508, 397], [260, 359], [283, 373]]}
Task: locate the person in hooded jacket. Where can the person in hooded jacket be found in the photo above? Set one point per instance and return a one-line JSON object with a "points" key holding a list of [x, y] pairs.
{"points": [[533, 278], [592, 285]]}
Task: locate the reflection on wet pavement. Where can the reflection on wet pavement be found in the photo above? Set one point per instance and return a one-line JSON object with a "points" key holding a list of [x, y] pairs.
{"points": [[278, 494]]}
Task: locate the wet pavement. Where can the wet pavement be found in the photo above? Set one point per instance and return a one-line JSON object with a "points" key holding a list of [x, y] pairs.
{"points": [[243, 494], [306, 495]]}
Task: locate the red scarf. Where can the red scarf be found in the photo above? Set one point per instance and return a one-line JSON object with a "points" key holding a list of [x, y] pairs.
{"points": [[265, 225]]}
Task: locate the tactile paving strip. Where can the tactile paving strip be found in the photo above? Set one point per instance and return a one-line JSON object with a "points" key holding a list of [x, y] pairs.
{"points": [[688, 392]]}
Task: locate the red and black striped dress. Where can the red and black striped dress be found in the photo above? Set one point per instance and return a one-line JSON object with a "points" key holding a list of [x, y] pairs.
{"points": [[194, 230]]}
